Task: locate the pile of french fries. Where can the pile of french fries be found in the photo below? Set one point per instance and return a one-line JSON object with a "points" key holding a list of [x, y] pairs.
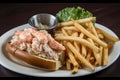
{"points": [[86, 45]]}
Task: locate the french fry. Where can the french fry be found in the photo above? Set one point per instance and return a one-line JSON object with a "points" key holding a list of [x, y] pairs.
{"points": [[92, 60], [58, 34], [76, 44], [96, 63], [64, 32], [83, 30], [79, 21], [72, 28], [72, 58], [75, 34], [83, 50], [100, 36], [82, 41], [93, 30], [108, 36], [68, 64], [88, 55], [81, 35], [73, 61], [96, 54], [75, 70], [105, 56], [101, 55]]}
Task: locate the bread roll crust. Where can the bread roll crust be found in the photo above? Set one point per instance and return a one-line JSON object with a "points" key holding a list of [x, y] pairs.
{"points": [[31, 59]]}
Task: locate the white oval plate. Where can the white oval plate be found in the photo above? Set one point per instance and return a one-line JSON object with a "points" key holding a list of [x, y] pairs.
{"points": [[9, 64]]}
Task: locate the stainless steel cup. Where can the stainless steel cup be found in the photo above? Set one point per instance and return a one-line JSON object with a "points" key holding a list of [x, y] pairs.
{"points": [[44, 18]]}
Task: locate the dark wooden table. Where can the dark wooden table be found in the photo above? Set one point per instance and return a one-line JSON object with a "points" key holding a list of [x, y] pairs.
{"points": [[15, 14]]}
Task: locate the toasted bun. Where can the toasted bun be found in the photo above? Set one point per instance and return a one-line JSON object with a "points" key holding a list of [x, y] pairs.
{"points": [[31, 59]]}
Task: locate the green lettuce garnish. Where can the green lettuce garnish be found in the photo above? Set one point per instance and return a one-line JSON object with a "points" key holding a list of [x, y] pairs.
{"points": [[68, 13]]}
